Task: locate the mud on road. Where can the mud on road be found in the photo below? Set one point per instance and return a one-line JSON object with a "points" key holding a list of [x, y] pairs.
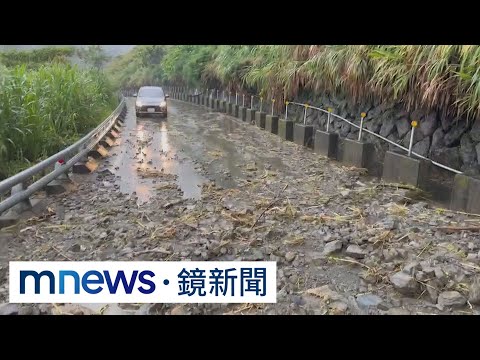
{"points": [[204, 186]]}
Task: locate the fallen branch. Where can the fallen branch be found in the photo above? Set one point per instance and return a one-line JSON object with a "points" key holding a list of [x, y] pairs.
{"points": [[397, 186], [349, 261], [458, 228], [462, 213], [275, 200], [425, 248], [470, 266], [169, 205]]}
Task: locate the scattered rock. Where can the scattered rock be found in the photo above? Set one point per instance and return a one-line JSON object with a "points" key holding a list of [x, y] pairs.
{"points": [[471, 257], [290, 256], [411, 267], [316, 259], [274, 234], [451, 298], [366, 301], [255, 255], [355, 251], [338, 308], [332, 247], [325, 293], [345, 193], [420, 276], [75, 248], [439, 274], [404, 283]]}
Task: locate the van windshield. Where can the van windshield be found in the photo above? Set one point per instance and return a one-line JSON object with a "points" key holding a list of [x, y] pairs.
{"points": [[150, 92]]}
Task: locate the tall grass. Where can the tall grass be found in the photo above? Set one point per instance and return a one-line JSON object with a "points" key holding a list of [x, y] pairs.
{"points": [[46, 109], [35, 58], [440, 77]]}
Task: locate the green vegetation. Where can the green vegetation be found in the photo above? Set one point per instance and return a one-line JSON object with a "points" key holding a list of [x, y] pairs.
{"points": [[37, 57], [46, 107], [93, 56], [442, 77], [140, 66]]}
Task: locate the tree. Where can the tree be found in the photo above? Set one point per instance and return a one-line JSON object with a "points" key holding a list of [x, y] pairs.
{"points": [[94, 56]]}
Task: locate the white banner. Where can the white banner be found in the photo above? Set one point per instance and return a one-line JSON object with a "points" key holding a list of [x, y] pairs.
{"points": [[143, 282]]}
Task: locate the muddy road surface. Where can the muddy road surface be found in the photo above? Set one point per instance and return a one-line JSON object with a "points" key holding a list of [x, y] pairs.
{"points": [[201, 185]]}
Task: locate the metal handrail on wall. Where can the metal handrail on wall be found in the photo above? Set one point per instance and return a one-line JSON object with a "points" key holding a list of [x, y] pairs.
{"points": [[71, 155], [361, 128]]}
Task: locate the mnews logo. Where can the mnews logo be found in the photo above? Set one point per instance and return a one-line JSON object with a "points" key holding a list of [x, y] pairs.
{"points": [[143, 282]]}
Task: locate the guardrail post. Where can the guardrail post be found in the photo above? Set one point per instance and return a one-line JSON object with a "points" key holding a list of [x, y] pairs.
{"points": [[414, 125], [23, 205], [250, 114], [326, 142], [59, 164], [271, 121], [328, 118], [260, 116], [303, 134], [57, 186], [242, 110], [362, 115], [285, 126]]}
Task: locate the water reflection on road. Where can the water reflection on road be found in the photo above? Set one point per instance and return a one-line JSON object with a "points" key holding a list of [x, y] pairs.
{"points": [[145, 149], [150, 145]]}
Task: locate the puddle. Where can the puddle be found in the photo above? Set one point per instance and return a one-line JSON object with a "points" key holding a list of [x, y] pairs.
{"points": [[146, 147]]}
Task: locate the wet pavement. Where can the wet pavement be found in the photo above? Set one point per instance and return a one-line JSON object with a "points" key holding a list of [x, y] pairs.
{"points": [[152, 145], [201, 185], [146, 148]]}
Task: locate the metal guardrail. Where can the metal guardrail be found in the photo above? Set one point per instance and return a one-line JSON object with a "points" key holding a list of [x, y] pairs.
{"points": [[71, 155], [361, 128]]}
